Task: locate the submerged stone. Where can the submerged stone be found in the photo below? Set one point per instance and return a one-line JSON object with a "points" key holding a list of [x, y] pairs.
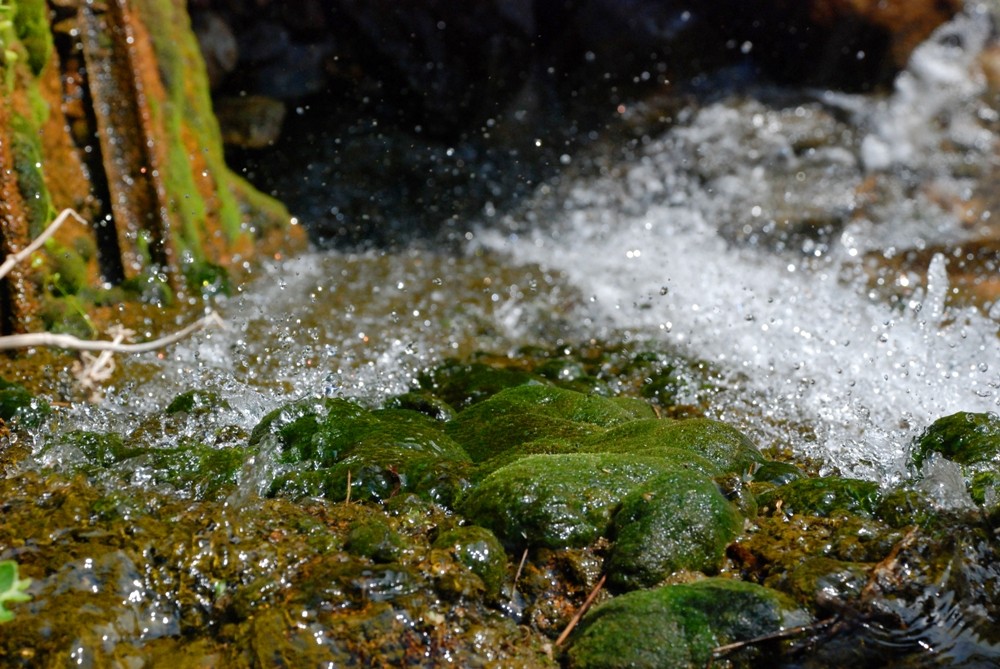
{"points": [[778, 473], [824, 496], [525, 413], [678, 626], [676, 520], [556, 501]]}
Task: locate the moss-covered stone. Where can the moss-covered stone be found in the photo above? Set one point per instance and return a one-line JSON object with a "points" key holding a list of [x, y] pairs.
{"points": [[196, 401], [902, 507], [819, 581], [722, 444], [526, 413], [478, 549], [423, 402], [777, 473], [556, 501], [100, 448], [678, 626], [19, 407], [965, 438], [824, 496], [374, 538], [676, 520], [464, 384]]}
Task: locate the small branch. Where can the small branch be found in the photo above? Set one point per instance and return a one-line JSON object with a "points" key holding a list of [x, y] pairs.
{"points": [[812, 628], [583, 609], [75, 344], [12, 260]]}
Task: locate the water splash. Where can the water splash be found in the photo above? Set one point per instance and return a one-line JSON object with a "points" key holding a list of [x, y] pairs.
{"points": [[754, 228]]}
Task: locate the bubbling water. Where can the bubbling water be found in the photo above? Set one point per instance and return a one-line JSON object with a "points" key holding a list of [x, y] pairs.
{"points": [[701, 242]]}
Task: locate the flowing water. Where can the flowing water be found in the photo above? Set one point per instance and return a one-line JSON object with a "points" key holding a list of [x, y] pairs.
{"points": [[759, 231], [829, 254]]}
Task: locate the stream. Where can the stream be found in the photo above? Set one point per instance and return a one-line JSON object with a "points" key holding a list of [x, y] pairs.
{"points": [[746, 234], [832, 258]]}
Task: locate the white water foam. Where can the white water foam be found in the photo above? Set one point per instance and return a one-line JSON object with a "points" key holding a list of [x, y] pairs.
{"points": [[651, 242]]}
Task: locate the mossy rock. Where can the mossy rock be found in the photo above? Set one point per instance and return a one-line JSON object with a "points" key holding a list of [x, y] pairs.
{"points": [[903, 507], [100, 448], [816, 581], [676, 520], [678, 626], [556, 501], [324, 432], [965, 438], [374, 538], [722, 444], [463, 384], [424, 402], [20, 407], [196, 401], [478, 549], [825, 496], [777, 473], [526, 413], [194, 469]]}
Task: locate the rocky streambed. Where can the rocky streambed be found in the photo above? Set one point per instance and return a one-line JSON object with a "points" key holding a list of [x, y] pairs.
{"points": [[468, 521]]}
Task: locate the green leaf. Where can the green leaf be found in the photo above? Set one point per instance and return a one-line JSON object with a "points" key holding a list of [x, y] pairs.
{"points": [[12, 588]]}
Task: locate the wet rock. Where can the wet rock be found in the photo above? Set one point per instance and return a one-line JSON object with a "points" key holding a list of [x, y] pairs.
{"points": [[19, 407], [423, 402], [525, 413], [196, 402], [463, 384], [778, 473], [972, 440], [556, 501], [678, 520], [680, 625], [374, 538], [478, 549], [721, 444], [826, 496]]}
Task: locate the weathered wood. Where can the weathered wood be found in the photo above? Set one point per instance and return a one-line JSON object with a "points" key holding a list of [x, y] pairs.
{"points": [[121, 70]]}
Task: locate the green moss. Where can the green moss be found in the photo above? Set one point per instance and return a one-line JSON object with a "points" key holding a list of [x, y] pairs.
{"points": [[524, 413], [825, 496], [556, 501], [32, 27], [462, 385], [723, 445], [375, 539], [27, 152], [676, 520], [196, 402], [424, 402], [678, 626], [965, 438], [777, 473], [903, 507], [821, 579], [478, 549], [20, 407], [68, 272], [104, 449]]}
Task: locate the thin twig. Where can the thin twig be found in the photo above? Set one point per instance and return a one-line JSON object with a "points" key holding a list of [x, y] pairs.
{"points": [[580, 611], [517, 574], [818, 626], [75, 344], [12, 260]]}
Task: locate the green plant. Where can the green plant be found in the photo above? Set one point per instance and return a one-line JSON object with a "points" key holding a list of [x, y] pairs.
{"points": [[12, 588]]}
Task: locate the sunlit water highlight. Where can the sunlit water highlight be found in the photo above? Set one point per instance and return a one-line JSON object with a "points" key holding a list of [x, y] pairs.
{"points": [[679, 245]]}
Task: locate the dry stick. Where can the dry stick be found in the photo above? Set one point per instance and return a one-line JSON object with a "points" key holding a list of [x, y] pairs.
{"points": [[517, 574], [9, 263], [721, 651], [583, 609], [75, 344]]}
